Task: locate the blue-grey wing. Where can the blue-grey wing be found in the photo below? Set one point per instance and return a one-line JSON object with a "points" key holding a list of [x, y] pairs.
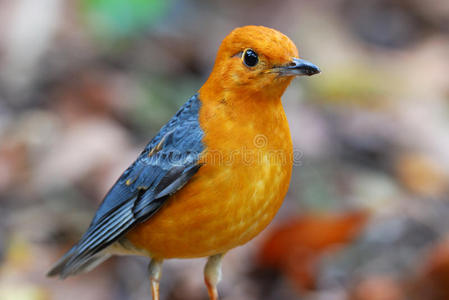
{"points": [[165, 166]]}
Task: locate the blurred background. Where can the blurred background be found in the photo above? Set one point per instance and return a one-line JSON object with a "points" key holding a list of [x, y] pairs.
{"points": [[85, 84]]}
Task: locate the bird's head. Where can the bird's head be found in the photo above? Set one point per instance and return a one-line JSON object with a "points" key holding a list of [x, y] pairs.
{"points": [[257, 59]]}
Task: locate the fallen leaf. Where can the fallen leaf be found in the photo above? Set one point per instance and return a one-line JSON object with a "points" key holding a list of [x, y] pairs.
{"points": [[295, 247]]}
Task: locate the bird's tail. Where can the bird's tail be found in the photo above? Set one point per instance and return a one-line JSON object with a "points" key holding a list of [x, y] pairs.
{"points": [[67, 267]]}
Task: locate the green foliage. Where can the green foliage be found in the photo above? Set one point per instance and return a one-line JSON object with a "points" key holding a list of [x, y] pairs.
{"points": [[120, 18]]}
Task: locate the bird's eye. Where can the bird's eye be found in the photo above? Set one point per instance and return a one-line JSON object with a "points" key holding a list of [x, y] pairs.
{"points": [[250, 58]]}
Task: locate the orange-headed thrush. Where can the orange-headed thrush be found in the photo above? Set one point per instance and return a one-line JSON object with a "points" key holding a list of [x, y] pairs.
{"points": [[215, 174]]}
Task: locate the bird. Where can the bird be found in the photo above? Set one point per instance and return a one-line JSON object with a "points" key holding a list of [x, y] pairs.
{"points": [[215, 174]]}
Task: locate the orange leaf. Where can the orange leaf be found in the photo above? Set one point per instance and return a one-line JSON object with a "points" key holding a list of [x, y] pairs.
{"points": [[295, 247]]}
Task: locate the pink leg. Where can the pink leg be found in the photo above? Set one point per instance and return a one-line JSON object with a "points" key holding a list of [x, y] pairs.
{"points": [[212, 275], [155, 272]]}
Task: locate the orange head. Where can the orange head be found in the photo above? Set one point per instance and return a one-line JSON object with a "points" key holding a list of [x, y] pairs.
{"points": [[256, 59]]}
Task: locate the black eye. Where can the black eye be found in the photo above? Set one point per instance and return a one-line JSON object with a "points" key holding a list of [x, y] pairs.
{"points": [[250, 58]]}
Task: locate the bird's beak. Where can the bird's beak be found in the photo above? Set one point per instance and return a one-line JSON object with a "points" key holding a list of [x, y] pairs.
{"points": [[297, 67]]}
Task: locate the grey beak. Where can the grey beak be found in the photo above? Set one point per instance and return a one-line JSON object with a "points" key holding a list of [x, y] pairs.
{"points": [[298, 67]]}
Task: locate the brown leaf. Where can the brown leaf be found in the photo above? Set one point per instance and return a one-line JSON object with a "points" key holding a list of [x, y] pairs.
{"points": [[433, 281], [295, 247]]}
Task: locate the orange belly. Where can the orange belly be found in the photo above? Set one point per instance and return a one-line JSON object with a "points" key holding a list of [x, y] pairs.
{"points": [[234, 195]]}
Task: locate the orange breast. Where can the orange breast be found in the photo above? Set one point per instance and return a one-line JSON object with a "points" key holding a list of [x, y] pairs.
{"points": [[235, 194]]}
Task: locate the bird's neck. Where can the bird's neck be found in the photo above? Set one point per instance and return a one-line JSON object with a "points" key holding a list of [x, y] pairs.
{"points": [[229, 116], [214, 90]]}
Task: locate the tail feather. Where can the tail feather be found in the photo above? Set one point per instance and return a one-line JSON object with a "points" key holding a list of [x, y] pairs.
{"points": [[64, 268], [91, 249]]}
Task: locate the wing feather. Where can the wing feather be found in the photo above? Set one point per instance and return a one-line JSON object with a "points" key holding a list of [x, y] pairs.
{"points": [[164, 167]]}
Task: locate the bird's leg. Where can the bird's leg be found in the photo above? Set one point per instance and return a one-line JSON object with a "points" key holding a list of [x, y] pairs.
{"points": [[212, 275], [155, 272]]}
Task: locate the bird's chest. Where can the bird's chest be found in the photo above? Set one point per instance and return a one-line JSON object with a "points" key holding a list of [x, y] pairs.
{"points": [[254, 141], [247, 167], [248, 158]]}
